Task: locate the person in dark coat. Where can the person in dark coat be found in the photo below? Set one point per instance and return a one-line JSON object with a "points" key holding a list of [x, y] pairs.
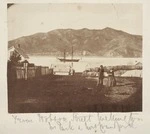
{"points": [[100, 76], [111, 79]]}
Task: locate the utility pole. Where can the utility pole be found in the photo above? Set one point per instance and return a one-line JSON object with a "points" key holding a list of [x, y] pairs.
{"points": [[72, 56]]}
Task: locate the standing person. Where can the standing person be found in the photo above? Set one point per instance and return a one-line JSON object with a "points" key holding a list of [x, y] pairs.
{"points": [[69, 70], [111, 79], [100, 76]]}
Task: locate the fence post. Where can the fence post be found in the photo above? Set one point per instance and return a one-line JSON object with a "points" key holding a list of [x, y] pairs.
{"points": [[26, 70]]}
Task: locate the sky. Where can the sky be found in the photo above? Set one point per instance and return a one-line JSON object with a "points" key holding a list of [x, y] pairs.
{"points": [[27, 19]]}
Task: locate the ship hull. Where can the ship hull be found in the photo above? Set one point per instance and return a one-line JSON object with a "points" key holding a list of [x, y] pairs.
{"points": [[68, 60]]}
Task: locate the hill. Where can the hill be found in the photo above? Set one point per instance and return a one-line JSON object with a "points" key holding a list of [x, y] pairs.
{"points": [[105, 42]]}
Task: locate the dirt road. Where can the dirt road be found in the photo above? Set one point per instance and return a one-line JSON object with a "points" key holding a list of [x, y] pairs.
{"points": [[74, 94]]}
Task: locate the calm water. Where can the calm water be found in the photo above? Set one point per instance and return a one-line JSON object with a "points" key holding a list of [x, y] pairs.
{"points": [[84, 63]]}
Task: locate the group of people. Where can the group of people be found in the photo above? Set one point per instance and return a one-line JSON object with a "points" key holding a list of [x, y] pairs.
{"points": [[111, 81]]}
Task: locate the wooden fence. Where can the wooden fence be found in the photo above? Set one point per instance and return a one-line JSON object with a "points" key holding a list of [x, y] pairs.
{"points": [[32, 72], [118, 70]]}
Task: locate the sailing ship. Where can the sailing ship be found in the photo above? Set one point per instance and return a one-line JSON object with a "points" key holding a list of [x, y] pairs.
{"points": [[64, 59]]}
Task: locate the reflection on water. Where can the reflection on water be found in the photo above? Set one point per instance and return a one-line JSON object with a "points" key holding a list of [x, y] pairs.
{"points": [[85, 62]]}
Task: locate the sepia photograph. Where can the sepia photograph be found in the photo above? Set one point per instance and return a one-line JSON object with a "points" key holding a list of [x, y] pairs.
{"points": [[74, 57]]}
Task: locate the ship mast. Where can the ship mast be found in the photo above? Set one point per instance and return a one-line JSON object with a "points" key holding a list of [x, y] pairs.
{"points": [[64, 55]]}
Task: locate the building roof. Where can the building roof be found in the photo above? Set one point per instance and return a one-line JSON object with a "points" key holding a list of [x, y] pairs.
{"points": [[139, 64], [132, 73], [20, 51]]}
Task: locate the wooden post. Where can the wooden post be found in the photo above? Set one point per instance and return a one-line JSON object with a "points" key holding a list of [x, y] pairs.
{"points": [[26, 70], [72, 57]]}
